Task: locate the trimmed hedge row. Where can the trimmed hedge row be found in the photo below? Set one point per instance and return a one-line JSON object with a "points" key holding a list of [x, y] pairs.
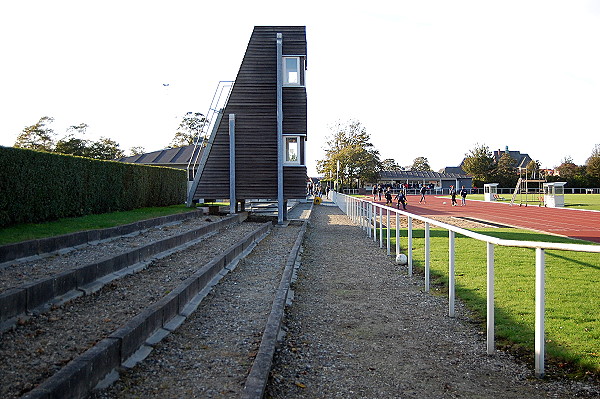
{"points": [[38, 186]]}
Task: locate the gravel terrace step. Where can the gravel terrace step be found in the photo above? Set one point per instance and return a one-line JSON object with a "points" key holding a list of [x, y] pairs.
{"points": [[40, 346], [19, 272], [211, 354]]}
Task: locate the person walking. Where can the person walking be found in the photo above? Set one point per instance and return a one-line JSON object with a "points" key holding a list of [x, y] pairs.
{"points": [[453, 195], [423, 191], [379, 191], [463, 196], [374, 192], [388, 197], [401, 198]]}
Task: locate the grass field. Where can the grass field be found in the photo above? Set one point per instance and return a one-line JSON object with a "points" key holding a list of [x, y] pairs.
{"points": [[30, 231], [572, 296], [576, 201]]}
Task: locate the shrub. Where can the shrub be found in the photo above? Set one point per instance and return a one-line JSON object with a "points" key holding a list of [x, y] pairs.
{"points": [[38, 186]]}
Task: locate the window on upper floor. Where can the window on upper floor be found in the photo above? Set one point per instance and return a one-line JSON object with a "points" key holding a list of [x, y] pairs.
{"points": [[292, 150], [293, 71]]}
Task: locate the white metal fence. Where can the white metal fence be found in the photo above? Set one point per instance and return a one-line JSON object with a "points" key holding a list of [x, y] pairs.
{"points": [[501, 190], [373, 217]]}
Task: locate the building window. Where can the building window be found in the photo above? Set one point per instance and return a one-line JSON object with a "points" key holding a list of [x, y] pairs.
{"points": [[292, 150], [293, 71]]}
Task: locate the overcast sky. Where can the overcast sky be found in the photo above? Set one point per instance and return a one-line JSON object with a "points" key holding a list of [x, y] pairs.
{"points": [[425, 78]]}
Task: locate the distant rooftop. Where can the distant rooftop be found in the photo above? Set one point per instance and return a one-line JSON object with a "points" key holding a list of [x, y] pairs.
{"points": [[177, 157], [418, 175]]}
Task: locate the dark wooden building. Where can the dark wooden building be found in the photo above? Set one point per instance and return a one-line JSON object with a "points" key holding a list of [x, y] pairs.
{"points": [[268, 126]]}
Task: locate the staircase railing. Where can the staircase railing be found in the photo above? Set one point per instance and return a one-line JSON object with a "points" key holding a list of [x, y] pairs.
{"points": [[517, 190], [219, 101]]}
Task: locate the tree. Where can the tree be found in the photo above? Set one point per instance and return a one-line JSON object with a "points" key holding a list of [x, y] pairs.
{"points": [[351, 149], [479, 163], [573, 174], [106, 149], [37, 136], [189, 130], [137, 150], [421, 164], [592, 164], [390, 164], [533, 169], [73, 145], [567, 169], [506, 171]]}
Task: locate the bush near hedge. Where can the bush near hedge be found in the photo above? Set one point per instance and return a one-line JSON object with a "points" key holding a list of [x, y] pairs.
{"points": [[37, 186]]}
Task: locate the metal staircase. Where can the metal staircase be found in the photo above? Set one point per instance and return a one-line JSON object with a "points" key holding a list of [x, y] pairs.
{"points": [[219, 101]]}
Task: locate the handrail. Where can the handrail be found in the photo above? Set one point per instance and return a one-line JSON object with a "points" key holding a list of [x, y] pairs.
{"points": [[215, 106], [365, 213]]}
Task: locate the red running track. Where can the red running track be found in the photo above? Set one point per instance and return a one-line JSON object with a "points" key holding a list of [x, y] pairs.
{"points": [[574, 223]]}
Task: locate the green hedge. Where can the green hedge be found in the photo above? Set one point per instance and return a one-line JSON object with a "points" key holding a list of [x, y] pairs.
{"points": [[38, 186]]}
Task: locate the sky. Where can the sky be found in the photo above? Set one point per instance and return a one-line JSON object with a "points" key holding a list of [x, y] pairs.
{"points": [[428, 79]]}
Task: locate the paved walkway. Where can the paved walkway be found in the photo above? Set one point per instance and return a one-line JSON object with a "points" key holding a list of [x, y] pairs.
{"points": [[359, 327]]}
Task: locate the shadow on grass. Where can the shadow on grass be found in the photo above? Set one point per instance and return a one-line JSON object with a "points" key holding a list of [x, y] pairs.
{"points": [[511, 334], [571, 260]]}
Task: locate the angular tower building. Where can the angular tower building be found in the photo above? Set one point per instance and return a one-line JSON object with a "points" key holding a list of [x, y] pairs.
{"points": [[256, 149]]}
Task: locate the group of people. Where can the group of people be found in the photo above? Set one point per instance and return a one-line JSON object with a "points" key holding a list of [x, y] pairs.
{"points": [[400, 197], [378, 191], [316, 189], [462, 193]]}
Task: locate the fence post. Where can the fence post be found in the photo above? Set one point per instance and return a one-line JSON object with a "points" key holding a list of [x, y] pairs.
{"points": [[397, 234], [389, 230], [361, 214], [490, 299], [374, 222], [451, 273], [426, 256], [539, 311], [381, 227], [410, 239], [369, 218]]}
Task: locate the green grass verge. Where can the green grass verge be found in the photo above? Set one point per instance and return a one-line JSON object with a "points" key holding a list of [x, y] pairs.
{"points": [[31, 231], [576, 201], [572, 296]]}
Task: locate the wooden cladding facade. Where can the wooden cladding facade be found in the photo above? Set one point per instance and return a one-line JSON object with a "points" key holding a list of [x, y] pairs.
{"points": [[253, 100]]}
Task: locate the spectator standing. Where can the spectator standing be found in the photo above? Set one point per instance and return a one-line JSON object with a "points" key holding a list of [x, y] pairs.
{"points": [[463, 196]]}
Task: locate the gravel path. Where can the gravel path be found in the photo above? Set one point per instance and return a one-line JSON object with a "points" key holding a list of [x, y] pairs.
{"points": [[19, 272], [41, 345], [210, 355], [359, 327]]}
